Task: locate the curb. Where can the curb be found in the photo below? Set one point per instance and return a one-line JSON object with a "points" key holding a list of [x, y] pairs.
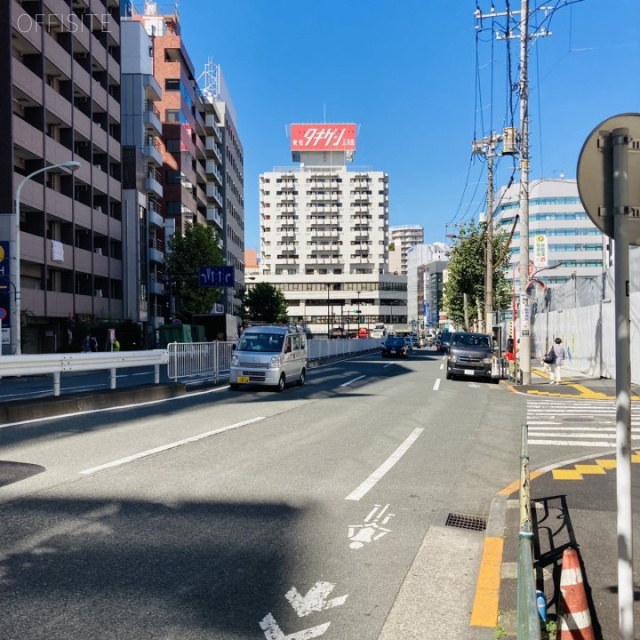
{"points": [[23, 411]]}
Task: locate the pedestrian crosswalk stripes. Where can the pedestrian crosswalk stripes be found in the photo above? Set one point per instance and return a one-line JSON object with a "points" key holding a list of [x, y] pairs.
{"points": [[576, 422]]}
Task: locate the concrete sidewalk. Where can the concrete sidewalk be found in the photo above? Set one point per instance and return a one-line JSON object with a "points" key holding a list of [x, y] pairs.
{"points": [[573, 504], [574, 384]]}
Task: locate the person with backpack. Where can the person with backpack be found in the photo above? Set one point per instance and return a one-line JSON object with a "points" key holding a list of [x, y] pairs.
{"points": [[558, 359]]}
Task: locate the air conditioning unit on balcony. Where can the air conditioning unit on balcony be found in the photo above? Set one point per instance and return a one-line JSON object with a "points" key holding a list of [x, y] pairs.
{"points": [[98, 251], [98, 293]]}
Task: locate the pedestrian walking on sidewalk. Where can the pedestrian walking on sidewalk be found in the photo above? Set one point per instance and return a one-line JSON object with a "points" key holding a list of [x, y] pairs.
{"points": [[558, 349]]}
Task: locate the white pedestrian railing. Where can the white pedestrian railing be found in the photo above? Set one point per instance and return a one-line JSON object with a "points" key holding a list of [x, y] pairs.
{"points": [[208, 360], [57, 363], [212, 360], [196, 361]]}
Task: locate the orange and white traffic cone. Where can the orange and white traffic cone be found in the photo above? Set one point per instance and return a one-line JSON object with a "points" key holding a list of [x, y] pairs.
{"points": [[575, 617]]}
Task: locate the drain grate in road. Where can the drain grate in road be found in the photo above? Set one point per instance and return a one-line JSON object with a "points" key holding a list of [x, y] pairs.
{"points": [[475, 523]]}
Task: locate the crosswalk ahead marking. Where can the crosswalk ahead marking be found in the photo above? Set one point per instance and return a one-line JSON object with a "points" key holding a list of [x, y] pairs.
{"points": [[576, 423]]}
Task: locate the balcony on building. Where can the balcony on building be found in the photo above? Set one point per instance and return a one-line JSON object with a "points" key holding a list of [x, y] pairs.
{"points": [[212, 147], [214, 216], [156, 288], [211, 124], [213, 193], [151, 118], [152, 182], [151, 150], [156, 253], [212, 170], [155, 215]]}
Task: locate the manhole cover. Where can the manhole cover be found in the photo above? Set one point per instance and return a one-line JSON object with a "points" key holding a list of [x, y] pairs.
{"points": [[475, 523]]}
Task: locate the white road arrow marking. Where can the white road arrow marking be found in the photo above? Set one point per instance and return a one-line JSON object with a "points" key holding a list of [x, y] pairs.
{"points": [[315, 600], [273, 632]]}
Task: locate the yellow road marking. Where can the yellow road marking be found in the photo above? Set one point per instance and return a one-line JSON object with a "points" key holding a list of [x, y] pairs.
{"points": [[590, 469], [485, 604], [566, 474], [585, 392], [607, 464], [515, 485]]}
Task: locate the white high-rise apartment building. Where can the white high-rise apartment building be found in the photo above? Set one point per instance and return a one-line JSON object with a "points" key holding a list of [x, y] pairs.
{"points": [[321, 220], [402, 238], [324, 234]]}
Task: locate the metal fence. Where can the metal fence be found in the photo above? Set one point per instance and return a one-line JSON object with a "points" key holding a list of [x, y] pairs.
{"points": [[199, 361]]}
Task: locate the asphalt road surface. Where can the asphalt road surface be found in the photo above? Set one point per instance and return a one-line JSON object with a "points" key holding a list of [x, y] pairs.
{"points": [[252, 514]]}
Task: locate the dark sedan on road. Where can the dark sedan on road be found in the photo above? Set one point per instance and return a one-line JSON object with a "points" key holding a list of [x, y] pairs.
{"points": [[395, 346]]}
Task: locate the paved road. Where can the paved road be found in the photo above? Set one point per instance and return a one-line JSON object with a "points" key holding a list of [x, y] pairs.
{"points": [[318, 512]]}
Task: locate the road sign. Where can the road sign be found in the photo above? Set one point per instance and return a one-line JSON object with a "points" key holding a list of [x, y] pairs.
{"points": [[217, 276], [540, 251], [595, 171], [3, 313]]}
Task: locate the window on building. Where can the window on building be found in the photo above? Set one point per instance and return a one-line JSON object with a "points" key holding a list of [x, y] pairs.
{"points": [[173, 177], [172, 84]]}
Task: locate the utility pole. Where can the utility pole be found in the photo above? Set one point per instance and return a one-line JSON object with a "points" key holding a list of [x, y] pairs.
{"points": [[487, 147], [524, 316], [525, 327]]}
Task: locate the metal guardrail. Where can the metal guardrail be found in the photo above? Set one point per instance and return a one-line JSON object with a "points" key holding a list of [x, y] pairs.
{"points": [[57, 363], [528, 617]]}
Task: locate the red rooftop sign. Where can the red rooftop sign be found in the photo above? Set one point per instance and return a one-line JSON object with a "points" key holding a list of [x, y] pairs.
{"points": [[323, 137]]}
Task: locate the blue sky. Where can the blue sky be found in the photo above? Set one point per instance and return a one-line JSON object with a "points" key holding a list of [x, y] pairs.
{"points": [[421, 82]]}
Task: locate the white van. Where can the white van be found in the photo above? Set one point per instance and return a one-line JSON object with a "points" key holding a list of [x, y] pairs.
{"points": [[270, 355]]}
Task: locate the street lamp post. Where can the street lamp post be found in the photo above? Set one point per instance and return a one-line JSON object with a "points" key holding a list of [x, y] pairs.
{"points": [[16, 338]]}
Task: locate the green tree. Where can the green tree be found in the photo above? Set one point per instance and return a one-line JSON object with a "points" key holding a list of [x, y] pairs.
{"points": [[197, 247], [265, 303], [467, 271]]}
